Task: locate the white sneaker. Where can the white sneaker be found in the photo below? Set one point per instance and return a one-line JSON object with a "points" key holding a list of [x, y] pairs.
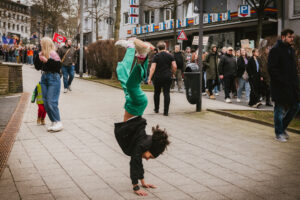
{"points": [[57, 127], [69, 88], [238, 100], [228, 100], [217, 94], [50, 128], [65, 90]]}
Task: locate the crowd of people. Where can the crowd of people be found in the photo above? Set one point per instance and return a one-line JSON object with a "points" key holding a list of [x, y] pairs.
{"points": [[18, 54], [234, 71]]}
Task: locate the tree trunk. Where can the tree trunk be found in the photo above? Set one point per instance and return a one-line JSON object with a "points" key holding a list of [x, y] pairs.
{"points": [[116, 37], [259, 27], [175, 21]]}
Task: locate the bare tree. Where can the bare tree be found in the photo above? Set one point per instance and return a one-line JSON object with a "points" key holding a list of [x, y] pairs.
{"points": [[259, 6], [118, 20], [98, 13]]}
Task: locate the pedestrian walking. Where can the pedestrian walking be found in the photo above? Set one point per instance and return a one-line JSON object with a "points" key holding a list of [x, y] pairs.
{"points": [[211, 66], [180, 62], [188, 55], [243, 77], [130, 134], [49, 62], [255, 78], [265, 84], [285, 90], [68, 58], [227, 70], [30, 56], [162, 69], [37, 97]]}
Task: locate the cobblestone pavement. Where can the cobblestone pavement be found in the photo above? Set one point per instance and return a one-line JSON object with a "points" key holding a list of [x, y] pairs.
{"points": [[7, 107], [211, 156]]}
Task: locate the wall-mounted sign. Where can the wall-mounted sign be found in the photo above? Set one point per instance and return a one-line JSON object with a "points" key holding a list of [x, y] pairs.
{"points": [[162, 26], [244, 11], [133, 20], [133, 11]]}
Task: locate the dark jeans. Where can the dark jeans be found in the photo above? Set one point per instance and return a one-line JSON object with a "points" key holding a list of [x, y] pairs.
{"points": [[255, 91], [68, 74], [165, 85], [229, 82], [265, 91], [283, 115], [50, 83]]}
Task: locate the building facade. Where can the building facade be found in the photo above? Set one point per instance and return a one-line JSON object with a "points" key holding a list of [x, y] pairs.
{"points": [[291, 15], [222, 26], [14, 20]]}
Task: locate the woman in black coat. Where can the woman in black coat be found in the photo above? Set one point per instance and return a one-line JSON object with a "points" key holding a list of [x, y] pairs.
{"points": [[255, 78]]}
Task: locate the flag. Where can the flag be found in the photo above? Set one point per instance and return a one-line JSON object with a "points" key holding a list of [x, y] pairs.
{"points": [[59, 38], [4, 40]]}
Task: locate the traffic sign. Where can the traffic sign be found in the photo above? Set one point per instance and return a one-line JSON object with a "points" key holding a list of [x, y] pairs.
{"points": [[244, 11], [182, 36]]}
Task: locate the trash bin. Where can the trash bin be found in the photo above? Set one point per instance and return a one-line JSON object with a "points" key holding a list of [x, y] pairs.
{"points": [[192, 83]]}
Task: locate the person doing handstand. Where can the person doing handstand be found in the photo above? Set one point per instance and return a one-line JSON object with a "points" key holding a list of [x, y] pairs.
{"points": [[130, 133]]}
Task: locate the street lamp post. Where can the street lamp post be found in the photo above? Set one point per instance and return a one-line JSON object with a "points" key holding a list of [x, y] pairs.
{"points": [[81, 40], [200, 47]]}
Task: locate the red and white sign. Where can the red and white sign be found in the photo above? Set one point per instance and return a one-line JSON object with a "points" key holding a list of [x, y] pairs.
{"points": [[59, 38], [182, 36]]}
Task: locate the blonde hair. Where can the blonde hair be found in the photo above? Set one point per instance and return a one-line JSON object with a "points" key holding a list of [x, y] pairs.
{"points": [[47, 46]]}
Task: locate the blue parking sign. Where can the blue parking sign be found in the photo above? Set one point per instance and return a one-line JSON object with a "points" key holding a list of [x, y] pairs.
{"points": [[244, 11]]}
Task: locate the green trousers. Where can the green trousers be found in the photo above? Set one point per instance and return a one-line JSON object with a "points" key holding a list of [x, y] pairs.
{"points": [[136, 99]]}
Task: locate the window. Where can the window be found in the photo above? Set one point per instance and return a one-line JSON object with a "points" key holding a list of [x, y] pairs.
{"points": [[4, 24], [8, 25], [152, 17], [146, 16], [18, 17], [13, 27], [26, 29], [14, 16], [22, 18], [22, 28], [125, 15], [18, 28], [168, 14], [296, 7], [149, 17], [0, 24]]}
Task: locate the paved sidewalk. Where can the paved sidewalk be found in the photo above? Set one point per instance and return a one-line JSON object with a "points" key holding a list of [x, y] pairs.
{"points": [[7, 107], [211, 156]]}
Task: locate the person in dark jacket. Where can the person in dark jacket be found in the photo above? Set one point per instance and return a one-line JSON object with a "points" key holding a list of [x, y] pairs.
{"points": [[130, 134], [211, 66], [255, 78], [49, 62], [243, 77], [227, 70], [180, 62], [285, 90], [68, 58]]}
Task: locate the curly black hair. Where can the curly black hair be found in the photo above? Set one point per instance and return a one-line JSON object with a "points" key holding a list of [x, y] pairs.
{"points": [[160, 141]]}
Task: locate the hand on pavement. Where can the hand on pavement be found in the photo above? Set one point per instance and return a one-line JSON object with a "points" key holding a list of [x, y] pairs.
{"points": [[149, 186], [141, 192]]}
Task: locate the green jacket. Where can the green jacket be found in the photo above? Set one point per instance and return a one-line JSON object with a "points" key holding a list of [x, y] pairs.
{"points": [[211, 65], [37, 95]]}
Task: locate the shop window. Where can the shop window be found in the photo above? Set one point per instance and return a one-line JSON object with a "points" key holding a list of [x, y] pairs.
{"points": [[125, 16], [296, 7]]}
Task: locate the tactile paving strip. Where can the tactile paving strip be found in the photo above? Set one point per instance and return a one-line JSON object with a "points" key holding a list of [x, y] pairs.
{"points": [[9, 134]]}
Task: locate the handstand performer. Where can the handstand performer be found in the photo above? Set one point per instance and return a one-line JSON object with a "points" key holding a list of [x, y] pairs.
{"points": [[130, 133]]}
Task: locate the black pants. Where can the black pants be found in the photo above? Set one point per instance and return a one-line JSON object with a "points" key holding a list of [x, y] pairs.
{"points": [[229, 82], [165, 85], [265, 91], [255, 91], [211, 85]]}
